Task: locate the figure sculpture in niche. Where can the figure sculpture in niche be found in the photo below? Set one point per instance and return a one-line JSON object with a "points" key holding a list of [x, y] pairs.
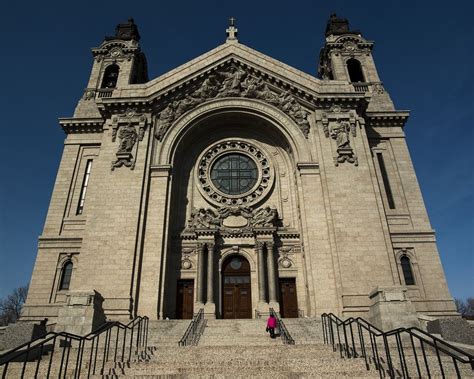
{"points": [[128, 137], [340, 133]]}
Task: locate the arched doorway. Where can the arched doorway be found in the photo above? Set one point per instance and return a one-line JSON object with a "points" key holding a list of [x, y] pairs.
{"points": [[236, 292]]}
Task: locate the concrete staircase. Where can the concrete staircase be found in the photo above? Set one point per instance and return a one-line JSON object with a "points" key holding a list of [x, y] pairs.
{"points": [[239, 349]]}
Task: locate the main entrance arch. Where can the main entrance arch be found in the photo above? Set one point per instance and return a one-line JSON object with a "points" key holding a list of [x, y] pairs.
{"points": [[236, 291]]}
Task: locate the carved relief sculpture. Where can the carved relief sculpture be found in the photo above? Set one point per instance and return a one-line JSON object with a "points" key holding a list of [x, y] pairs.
{"points": [[340, 132], [231, 82], [207, 218]]}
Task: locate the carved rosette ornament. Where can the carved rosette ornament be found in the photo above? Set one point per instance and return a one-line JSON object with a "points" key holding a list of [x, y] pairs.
{"points": [[130, 128], [231, 81], [262, 182]]}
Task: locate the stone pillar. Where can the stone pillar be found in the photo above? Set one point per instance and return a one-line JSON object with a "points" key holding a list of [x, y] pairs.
{"points": [[210, 308], [200, 275], [272, 278], [261, 273]]}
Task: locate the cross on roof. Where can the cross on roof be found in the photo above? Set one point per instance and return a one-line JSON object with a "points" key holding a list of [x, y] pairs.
{"points": [[231, 30]]}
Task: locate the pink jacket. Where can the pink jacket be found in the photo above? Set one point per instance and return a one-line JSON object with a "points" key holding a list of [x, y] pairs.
{"points": [[271, 322]]}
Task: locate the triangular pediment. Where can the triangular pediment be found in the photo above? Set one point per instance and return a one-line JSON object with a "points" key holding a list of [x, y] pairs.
{"points": [[232, 70], [304, 86]]}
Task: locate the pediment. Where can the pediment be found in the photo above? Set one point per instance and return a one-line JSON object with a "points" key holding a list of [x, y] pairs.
{"points": [[232, 70]]}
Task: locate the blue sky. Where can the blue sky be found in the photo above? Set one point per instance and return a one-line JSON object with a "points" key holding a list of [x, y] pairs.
{"points": [[423, 53]]}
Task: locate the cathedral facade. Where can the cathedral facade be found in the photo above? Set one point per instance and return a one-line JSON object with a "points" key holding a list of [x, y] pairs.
{"points": [[236, 183]]}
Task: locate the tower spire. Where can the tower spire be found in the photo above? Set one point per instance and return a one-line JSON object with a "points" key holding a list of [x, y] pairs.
{"points": [[231, 31]]}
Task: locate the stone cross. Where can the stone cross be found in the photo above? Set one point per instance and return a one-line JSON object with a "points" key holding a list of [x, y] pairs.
{"points": [[231, 30]]}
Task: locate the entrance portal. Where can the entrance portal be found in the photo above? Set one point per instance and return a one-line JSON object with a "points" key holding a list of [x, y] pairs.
{"points": [[288, 300], [236, 294], [185, 299]]}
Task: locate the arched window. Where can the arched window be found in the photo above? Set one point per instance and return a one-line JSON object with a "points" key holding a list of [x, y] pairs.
{"points": [[66, 276], [407, 272], [110, 76], [355, 70]]}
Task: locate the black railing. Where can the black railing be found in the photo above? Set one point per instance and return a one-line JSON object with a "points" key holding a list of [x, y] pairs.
{"points": [[194, 331], [402, 352], [284, 333], [69, 355]]}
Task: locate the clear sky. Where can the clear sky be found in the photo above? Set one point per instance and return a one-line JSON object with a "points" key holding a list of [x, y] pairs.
{"points": [[424, 55]]}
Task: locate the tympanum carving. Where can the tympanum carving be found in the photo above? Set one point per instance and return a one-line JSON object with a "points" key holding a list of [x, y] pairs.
{"points": [[232, 81]]}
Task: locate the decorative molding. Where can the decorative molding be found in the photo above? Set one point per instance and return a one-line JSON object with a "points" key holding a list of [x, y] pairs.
{"points": [[231, 80], [81, 125]]}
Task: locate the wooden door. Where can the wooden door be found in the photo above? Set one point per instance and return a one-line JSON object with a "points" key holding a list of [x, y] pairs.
{"points": [[236, 296], [185, 299], [288, 299]]}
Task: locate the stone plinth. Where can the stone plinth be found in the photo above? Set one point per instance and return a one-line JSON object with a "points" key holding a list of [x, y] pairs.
{"points": [[390, 308], [19, 333], [453, 329], [82, 313]]}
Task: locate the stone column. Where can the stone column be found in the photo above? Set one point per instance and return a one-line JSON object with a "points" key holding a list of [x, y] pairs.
{"points": [[210, 273], [272, 285], [261, 273], [210, 308], [200, 274]]}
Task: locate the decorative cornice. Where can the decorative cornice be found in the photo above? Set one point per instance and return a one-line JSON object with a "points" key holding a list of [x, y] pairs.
{"points": [[81, 125], [387, 118]]}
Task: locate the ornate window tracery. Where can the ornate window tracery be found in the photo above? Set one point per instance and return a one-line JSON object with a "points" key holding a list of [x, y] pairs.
{"points": [[234, 173]]}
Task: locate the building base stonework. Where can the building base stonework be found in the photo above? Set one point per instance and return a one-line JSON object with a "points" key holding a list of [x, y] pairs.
{"points": [[454, 329], [390, 308], [82, 313]]}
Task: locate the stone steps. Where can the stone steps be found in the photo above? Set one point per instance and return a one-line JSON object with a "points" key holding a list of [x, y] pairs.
{"points": [[239, 349]]}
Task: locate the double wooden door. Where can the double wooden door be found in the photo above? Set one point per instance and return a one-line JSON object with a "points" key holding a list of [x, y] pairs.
{"points": [[185, 299], [236, 293], [288, 299]]}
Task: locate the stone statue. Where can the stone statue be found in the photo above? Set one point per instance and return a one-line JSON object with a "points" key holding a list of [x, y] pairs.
{"points": [[208, 89], [128, 137], [340, 132], [231, 84], [165, 120], [185, 104]]}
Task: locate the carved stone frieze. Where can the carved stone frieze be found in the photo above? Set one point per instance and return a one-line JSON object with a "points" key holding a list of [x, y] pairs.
{"points": [[210, 219], [231, 81]]}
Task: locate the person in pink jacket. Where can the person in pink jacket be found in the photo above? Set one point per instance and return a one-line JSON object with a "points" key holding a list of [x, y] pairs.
{"points": [[271, 325]]}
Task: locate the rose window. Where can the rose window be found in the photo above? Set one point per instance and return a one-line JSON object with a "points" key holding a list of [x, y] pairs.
{"points": [[234, 173]]}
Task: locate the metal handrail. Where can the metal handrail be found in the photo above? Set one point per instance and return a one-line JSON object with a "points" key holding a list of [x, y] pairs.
{"points": [[284, 333], [194, 331], [334, 327], [47, 343]]}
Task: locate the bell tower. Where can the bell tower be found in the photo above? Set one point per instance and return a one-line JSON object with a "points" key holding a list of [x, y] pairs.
{"points": [[347, 56], [118, 62]]}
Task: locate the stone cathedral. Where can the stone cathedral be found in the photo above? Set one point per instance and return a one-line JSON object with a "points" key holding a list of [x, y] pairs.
{"points": [[236, 184]]}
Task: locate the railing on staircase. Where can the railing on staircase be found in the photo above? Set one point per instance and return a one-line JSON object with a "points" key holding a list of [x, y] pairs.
{"points": [[194, 331], [284, 333], [392, 351], [69, 355]]}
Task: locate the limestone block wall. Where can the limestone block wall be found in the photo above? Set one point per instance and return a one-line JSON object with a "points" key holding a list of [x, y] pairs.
{"points": [[108, 258]]}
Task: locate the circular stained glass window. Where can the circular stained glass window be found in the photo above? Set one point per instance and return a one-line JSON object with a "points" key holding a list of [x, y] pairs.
{"points": [[234, 174]]}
